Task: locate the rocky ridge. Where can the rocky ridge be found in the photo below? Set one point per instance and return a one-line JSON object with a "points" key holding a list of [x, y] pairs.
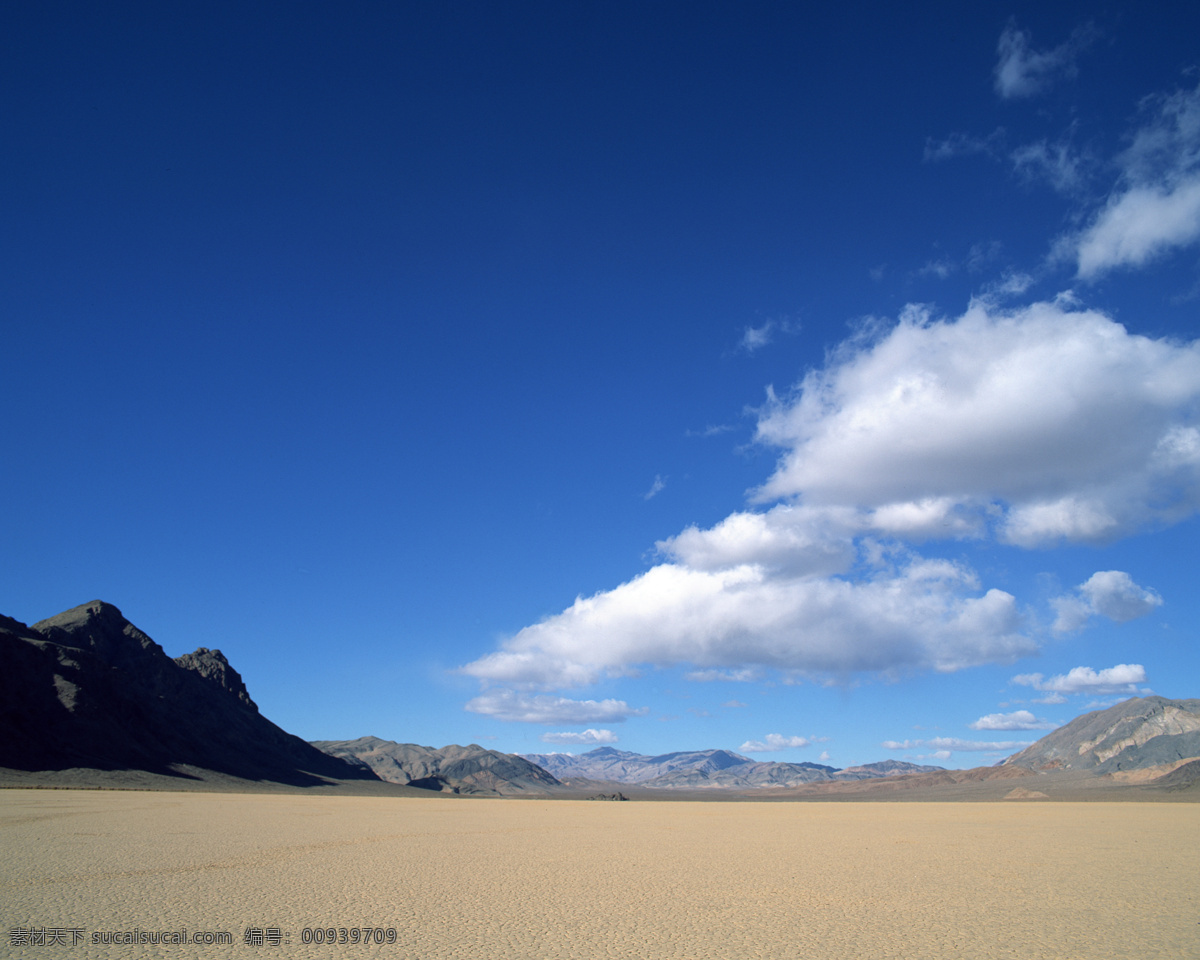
{"points": [[86, 689]]}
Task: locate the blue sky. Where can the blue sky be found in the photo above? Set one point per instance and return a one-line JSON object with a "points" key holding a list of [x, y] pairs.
{"points": [[819, 384]]}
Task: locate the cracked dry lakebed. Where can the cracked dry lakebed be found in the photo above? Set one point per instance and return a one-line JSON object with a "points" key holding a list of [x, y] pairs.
{"points": [[108, 873]]}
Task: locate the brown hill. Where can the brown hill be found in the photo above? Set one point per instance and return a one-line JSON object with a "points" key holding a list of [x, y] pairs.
{"points": [[1132, 735]]}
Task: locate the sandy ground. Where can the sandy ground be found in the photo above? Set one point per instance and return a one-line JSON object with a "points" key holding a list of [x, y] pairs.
{"points": [[574, 879]]}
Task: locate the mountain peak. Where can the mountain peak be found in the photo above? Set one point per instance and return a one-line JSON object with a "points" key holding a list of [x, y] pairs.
{"points": [[95, 611], [101, 628]]}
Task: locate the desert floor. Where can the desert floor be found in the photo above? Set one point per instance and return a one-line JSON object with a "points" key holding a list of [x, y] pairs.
{"points": [[576, 879]]}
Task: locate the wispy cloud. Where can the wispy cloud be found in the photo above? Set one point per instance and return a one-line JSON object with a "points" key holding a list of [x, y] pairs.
{"points": [[1023, 72], [1057, 164], [657, 487], [713, 430], [742, 675], [964, 145], [755, 338], [952, 744], [941, 268]]}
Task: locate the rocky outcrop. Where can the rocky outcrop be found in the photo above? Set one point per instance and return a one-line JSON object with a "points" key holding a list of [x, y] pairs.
{"points": [[884, 768], [452, 769], [213, 667], [86, 689], [1020, 793], [1133, 735]]}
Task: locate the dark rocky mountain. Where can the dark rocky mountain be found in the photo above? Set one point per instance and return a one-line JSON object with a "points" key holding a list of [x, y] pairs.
{"points": [[1151, 734], [88, 690], [455, 769], [704, 768]]}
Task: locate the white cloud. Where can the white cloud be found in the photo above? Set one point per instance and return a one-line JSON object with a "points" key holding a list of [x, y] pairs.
{"points": [[510, 705], [796, 540], [588, 738], [1017, 720], [1123, 678], [1115, 595], [926, 614], [1032, 426], [772, 742], [656, 487], [1110, 593], [1156, 205], [1140, 224], [1024, 72], [1047, 422]]}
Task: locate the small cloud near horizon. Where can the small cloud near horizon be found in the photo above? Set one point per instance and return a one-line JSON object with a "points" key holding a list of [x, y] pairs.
{"points": [[1017, 720], [772, 742], [588, 737]]}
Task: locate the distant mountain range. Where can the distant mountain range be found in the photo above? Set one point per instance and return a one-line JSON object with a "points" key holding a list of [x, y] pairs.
{"points": [[704, 769], [86, 698]]}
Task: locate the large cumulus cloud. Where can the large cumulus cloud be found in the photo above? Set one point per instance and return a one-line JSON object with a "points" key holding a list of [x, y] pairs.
{"points": [[1034, 426], [1046, 424]]}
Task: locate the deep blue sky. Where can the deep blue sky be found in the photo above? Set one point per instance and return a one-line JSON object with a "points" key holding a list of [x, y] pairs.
{"points": [[359, 340]]}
